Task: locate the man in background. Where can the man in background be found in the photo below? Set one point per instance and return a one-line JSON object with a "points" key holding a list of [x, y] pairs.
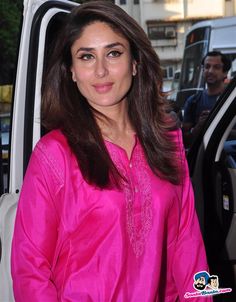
{"points": [[198, 106]]}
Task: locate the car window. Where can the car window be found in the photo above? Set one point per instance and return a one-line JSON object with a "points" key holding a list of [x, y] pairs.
{"points": [[5, 126], [5, 129], [10, 16]]}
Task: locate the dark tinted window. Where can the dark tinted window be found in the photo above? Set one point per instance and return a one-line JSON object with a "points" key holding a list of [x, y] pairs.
{"points": [[199, 34]]}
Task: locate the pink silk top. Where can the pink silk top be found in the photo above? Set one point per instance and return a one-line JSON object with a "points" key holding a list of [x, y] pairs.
{"points": [[74, 242]]}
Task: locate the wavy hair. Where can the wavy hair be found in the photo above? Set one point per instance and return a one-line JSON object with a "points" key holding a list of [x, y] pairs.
{"points": [[64, 107]]}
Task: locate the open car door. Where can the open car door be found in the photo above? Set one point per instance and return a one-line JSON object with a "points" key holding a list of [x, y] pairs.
{"points": [[41, 22], [212, 163]]}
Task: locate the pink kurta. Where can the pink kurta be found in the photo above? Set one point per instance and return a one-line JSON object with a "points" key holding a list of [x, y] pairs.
{"points": [[75, 242]]}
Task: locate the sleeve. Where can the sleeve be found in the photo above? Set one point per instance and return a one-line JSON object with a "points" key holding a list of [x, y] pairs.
{"points": [[35, 235], [188, 111], [189, 256]]}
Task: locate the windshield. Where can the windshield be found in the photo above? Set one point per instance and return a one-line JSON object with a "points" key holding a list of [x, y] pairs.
{"points": [[197, 43], [191, 69]]}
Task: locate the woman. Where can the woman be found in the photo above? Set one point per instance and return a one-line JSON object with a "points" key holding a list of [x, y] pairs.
{"points": [[106, 211]]}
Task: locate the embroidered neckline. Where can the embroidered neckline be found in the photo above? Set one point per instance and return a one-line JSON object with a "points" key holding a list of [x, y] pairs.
{"points": [[137, 235]]}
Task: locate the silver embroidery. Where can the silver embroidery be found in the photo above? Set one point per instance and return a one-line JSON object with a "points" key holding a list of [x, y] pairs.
{"points": [[140, 176], [57, 174]]}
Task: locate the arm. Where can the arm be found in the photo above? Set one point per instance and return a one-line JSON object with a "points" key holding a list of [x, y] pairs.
{"points": [[35, 235], [187, 134], [192, 125], [189, 257], [190, 131], [188, 122]]}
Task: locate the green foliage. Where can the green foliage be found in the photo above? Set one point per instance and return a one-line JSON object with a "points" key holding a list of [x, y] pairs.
{"points": [[10, 22], [10, 17]]}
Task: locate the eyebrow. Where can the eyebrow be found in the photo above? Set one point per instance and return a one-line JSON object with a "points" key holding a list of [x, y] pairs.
{"points": [[107, 47]]}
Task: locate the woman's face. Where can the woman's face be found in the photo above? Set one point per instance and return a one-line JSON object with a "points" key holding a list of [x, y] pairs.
{"points": [[102, 66]]}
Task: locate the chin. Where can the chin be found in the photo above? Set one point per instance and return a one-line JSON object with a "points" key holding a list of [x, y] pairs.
{"points": [[211, 83]]}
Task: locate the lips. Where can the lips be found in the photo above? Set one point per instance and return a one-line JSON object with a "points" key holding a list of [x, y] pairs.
{"points": [[103, 87], [210, 79]]}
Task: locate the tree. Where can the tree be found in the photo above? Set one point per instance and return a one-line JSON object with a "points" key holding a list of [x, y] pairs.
{"points": [[10, 19], [10, 22]]}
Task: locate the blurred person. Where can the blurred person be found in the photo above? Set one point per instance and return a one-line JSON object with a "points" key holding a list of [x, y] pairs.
{"points": [[106, 211], [198, 106]]}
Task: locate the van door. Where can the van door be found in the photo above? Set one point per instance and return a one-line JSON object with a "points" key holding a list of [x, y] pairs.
{"points": [[41, 22], [212, 163]]}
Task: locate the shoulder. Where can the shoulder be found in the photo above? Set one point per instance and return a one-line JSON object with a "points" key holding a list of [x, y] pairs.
{"points": [[176, 137], [53, 143], [53, 154], [204, 94], [195, 97], [189, 102]]}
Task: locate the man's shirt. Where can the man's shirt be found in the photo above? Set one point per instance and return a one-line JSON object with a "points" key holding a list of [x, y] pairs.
{"points": [[197, 103]]}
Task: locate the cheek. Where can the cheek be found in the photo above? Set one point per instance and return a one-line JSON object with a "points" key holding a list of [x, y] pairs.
{"points": [[123, 73], [129, 75], [82, 84], [224, 75], [80, 75]]}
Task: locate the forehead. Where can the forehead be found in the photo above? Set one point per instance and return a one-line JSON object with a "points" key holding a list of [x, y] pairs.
{"points": [[99, 30], [213, 60]]}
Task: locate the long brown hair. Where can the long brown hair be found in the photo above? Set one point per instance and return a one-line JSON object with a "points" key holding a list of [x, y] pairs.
{"points": [[64, 107]]}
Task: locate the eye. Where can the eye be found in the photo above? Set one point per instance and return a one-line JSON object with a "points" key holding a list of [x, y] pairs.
{"points": [[86, 57], [114, 53]]}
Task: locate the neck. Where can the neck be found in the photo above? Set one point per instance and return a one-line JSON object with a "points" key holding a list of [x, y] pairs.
{"points": [[117, 127], [117, 123], [215, 89]]}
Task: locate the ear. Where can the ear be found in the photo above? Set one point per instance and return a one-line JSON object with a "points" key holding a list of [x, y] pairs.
{"points": [[134, 68], [226, 74], [73, 74]]}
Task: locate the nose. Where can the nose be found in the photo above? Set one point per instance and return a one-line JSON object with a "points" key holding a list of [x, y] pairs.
{"points": [[101, 69], [211, 69]]}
